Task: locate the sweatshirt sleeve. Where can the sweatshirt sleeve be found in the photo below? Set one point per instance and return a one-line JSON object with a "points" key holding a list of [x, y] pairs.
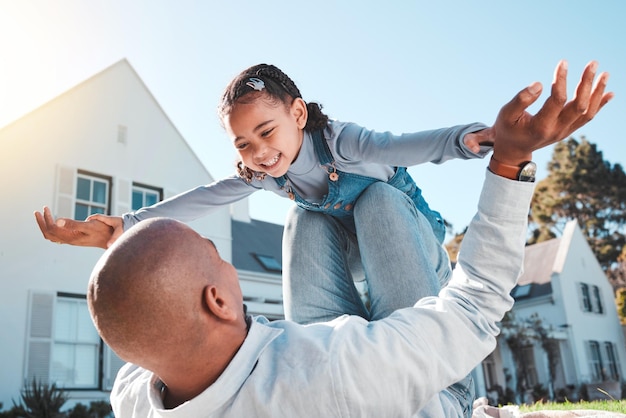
{"points": [[356, 143], [194, 203], [416, 352]]}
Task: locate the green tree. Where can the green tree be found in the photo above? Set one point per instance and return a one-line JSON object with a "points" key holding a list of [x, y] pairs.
{"points": [[581, 185]]}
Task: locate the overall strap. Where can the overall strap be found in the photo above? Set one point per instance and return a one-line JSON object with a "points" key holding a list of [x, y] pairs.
{"points": [[281, 181], [321, 148]]}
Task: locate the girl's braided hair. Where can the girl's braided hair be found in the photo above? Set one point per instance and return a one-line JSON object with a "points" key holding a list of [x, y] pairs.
{"points": [[279, 88]]}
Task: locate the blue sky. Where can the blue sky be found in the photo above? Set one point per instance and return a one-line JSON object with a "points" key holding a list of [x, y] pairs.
{"points": [[398, 66]]}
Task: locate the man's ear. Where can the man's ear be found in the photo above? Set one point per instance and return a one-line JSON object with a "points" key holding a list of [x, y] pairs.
{"points": [[299, 112], [220, 305]]}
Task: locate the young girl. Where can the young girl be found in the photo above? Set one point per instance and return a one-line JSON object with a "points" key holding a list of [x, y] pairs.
{"points": [[291, 148]]}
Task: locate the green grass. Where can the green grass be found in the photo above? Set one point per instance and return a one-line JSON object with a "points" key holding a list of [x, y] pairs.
{"points": [[612, 406]]}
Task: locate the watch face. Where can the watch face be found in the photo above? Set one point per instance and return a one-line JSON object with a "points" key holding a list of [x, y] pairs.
{"points": [[528, 172]]}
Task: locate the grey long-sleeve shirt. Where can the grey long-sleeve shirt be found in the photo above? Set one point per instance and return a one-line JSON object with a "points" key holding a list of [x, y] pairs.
{"points": [[355, 150], [394, 367]]}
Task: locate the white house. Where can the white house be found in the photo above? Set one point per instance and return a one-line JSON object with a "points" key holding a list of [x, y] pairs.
{"points": [[565, 287], [104, 146]]}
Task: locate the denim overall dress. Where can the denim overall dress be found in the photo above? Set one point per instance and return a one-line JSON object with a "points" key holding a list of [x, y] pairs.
{"points": [[344, 190]]}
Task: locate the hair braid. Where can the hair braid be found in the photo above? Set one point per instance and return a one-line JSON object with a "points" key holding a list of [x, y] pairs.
{"points": [[283, 79]]}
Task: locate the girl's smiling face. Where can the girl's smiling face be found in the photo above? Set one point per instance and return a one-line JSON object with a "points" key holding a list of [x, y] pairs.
{"points": [[267, 134]]}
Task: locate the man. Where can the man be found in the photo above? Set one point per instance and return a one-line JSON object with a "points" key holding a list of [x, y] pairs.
{"points": [[165, 301]]}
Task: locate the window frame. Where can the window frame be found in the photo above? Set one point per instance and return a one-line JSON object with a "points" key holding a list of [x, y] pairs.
{"points": [[585, 297], [62, 297], [598, 306], [143, 188], [528, 359], [595, 360], [91, 204], [612, 361]]}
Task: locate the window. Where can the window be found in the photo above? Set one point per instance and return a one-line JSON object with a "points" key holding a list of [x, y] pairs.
{"points": [[75, 345], [92, 195], [597, 299], [64, 347], [145, 196], [585, 299], [269, 263], [595, 361], [521, 291], [528, 361], [612, 365], [489, 372]]}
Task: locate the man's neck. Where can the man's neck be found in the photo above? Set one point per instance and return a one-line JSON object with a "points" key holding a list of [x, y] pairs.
{"points": [[191, 383]]}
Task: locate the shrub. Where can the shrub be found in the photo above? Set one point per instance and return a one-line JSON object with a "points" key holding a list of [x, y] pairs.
{"points": [[540, 393], [39, 400]]}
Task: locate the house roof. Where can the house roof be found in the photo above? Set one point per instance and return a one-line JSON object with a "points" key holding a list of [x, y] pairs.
{"points": [[539, 261], [256, 242]]}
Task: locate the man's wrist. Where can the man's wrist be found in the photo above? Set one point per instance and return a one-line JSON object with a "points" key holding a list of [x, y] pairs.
{"points": [[525, 171]]}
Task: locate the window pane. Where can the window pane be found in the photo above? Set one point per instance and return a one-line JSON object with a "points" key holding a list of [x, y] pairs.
{"points": [[95, 209], [62, 370], [83, 186], [598, 300], [99, 192], [137, 199], [151, 198], [64, 328], [81, 212], [86, 366], [85, 331]]}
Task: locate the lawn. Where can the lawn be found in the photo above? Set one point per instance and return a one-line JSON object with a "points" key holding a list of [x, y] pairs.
{"points": [[612, 406]]}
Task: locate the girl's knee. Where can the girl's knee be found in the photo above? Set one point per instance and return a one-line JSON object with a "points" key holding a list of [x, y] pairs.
{"points": [[380, 198]]}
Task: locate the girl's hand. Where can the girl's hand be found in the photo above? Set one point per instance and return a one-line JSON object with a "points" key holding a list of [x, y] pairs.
{"points": [[475, 140], [89, 233], [114, 222]]}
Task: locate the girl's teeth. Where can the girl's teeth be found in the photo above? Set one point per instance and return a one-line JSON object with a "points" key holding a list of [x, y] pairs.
{"points": [[271, 162]]}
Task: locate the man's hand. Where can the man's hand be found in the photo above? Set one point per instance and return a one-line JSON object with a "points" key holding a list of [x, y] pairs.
{"points": [[517, 133], [90, 233]]}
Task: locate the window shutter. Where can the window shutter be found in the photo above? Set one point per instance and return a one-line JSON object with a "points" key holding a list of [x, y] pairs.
{"points": [[111, 365], [65, 192], [41, 306], [123, 197]]}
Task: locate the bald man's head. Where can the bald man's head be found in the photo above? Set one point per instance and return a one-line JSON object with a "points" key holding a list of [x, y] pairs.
{"points": [[147, 294]]}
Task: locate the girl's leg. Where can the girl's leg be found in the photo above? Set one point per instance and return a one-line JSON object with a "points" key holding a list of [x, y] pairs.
{"points": [[318, 282], [403, 260]]}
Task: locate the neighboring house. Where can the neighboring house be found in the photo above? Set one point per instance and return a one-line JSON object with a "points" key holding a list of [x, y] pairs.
{"points": [[564, 285], [104, 146]]}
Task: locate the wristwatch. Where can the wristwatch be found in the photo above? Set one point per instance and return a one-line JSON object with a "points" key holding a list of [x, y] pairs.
{"points": [[526, 171]]}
